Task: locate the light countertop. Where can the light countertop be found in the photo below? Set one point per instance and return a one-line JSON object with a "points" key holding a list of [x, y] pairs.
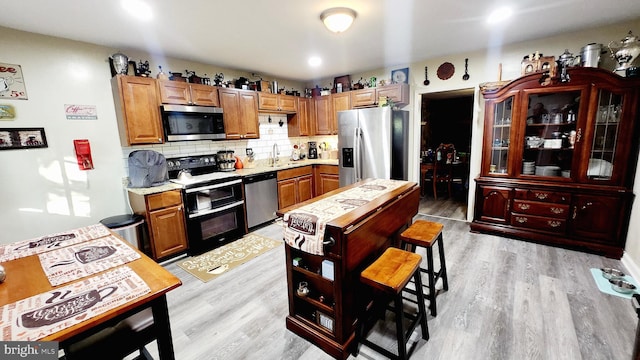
{"points": [[261, 166]]}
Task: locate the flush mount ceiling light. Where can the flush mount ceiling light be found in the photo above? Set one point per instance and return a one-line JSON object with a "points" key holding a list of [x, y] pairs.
{"points": [[499, 15], [338, 19]]}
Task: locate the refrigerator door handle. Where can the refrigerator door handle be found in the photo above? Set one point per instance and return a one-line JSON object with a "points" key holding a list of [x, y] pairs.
{"points": [[356, 155]]}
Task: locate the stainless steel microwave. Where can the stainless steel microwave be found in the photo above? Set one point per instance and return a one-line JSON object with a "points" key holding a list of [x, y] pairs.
{"points": [[185, 122]]}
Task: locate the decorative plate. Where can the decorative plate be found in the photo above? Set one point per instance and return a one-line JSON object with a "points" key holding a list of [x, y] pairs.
{"points": [[445, 71]]}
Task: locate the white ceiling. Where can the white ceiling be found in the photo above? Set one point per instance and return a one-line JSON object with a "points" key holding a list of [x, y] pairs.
{"points": [[277, 37]]}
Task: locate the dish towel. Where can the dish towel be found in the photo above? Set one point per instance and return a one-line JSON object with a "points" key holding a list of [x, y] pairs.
{"points": [[304, 227]]}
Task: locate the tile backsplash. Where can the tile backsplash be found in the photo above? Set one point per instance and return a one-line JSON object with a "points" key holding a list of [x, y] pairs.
{"points": [[270, 133]]}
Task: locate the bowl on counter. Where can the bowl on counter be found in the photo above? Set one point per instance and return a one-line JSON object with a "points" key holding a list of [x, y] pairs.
{"points": [[622, 286], [611, 273]]}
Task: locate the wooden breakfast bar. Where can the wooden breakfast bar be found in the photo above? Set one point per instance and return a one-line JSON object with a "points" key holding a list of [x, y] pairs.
{"points": [[35, 310], [361, 221]]}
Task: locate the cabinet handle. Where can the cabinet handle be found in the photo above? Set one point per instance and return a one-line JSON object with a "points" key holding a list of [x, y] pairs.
{"points": [[329, 242], [524, 206], [554, 223], [508, 204], [541, 196], [521, 220], [579, 135], [575, 211], [556, 210]]}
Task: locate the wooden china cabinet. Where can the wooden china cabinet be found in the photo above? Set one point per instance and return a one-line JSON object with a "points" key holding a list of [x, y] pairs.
{"points": [[559, 160]]}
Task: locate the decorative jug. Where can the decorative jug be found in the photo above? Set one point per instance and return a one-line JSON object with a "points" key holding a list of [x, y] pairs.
{"points": [[626, 51], [120, 63]]}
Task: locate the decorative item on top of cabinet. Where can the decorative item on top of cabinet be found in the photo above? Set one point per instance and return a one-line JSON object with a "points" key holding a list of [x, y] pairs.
{"points": [[136, 99], [559, 160]]}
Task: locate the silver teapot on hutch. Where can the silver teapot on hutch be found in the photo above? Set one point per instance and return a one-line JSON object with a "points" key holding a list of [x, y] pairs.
{"points": [[625, 52]]}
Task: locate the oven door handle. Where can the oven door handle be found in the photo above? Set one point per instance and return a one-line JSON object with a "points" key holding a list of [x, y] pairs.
{"points": [[216, 210], [216, 186]]}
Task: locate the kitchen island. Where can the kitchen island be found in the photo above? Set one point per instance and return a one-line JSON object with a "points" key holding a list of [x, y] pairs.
{"points": [[326, 314]]}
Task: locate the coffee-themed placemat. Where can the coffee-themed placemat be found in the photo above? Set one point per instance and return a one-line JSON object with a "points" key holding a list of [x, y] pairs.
{"points": [[91, 257], [41, 315], [304, 227], [42, 244]]}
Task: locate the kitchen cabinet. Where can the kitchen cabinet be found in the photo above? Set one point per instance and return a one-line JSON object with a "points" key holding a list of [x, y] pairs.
{"points": [[324, 121], [558, 160], [329, 315], [326, 178], [339, 102], [302, 122], [368, 97], [294, 186], [137, 110], [240, 113], [164, 215], [277, 102], [183, 93]]}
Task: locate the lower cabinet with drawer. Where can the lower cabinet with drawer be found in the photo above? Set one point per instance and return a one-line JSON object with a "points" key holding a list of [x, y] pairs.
{"points": [[164, 214], [591, 219], [294, 186]]}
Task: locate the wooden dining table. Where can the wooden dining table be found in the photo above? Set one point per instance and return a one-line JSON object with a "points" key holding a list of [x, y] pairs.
{"points": [[26, 278]]}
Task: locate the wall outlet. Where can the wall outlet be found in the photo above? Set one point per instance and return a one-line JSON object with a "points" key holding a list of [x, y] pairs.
{"points": [[125, 181]]}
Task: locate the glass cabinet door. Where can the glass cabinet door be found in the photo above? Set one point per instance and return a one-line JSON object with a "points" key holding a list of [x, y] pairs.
{"points": [[606, 132], [501, 137], [550, 134]]}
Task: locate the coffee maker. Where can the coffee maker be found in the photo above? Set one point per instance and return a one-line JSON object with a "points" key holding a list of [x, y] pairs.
{"points": [[313, 150]]}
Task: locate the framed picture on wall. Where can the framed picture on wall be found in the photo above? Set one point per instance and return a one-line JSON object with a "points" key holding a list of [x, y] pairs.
{"points": [[344, 81], [22, 138], [400, 76]]}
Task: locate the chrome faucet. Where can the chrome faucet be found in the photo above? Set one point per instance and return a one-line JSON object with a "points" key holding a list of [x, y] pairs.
{"points": [[275, 154]]}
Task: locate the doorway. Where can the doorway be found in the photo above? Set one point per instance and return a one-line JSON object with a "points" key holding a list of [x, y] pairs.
{"points": [[446, 118]]}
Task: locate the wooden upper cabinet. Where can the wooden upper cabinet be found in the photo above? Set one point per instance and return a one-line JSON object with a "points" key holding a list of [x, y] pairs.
{"points": [[300, 123], [240, 113], [277, 102], [323, 125], [249, 110], [367, 97], [205, 95], [182, 93], [339, 102], [363, 97], [398, 93], [137, 109]]}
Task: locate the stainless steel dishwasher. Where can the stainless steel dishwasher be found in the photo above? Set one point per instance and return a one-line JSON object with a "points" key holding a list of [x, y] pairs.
{"points": [[261, 198]]}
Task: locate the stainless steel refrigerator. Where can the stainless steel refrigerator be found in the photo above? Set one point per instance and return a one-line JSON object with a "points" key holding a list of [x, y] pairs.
{"points": [[373, 143]]}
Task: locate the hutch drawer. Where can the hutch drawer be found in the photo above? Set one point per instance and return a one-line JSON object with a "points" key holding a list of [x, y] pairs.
{"points": [[558, 211]]}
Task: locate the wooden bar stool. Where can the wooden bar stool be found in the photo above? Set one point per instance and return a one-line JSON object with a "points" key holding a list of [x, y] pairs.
{"points": [[424, 234], [389, 274]]}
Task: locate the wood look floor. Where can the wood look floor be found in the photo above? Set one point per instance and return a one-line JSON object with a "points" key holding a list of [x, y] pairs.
{"points": [[507, 299]]}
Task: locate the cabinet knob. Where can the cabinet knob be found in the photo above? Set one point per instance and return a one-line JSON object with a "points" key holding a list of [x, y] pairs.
{"points": [[329, 242]]}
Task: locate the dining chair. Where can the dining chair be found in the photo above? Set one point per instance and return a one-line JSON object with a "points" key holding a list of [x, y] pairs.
{"points": [[442, 169]]}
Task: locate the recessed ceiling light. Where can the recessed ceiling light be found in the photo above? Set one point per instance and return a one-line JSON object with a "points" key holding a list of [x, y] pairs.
{"points": [[315, 61], [138, 9], [499, 15]]}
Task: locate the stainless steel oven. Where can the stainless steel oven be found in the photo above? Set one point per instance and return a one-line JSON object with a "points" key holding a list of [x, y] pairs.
{"points": [[215, 214], [214, 203]]}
